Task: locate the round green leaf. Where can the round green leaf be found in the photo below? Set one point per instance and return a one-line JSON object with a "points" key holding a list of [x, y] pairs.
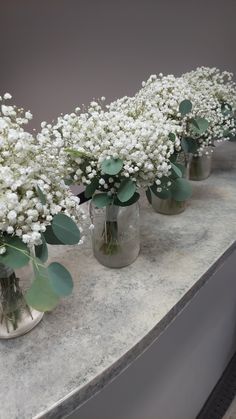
{"points": [[163, 194], [17, 253], [41, 251], [171, 136], [91, 188], [131, 201], [101, 200], [189, 145], [60, 279], [185, 107], [176, 170], [65, 229], [41, 296], [112, 166], [126, 190], [199, 125], [50, 236], [181, 189]]}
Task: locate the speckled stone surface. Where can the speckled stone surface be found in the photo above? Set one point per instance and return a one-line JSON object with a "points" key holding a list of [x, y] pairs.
{"points": [[113, 315]]}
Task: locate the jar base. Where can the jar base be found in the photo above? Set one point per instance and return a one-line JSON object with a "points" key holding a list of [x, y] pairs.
{"points": [[118, 261], [26, 324]]}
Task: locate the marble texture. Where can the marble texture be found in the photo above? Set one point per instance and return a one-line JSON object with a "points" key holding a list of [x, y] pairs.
{"points": [[113, 315]]}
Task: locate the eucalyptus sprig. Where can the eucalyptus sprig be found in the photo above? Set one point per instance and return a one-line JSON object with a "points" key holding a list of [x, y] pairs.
{"points": [[51, 282]]}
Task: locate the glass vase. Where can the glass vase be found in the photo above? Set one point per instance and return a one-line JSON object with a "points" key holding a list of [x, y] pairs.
{"points": [[167, 206], [115, 234], [199, 167], [16, 317], [170, 206]]}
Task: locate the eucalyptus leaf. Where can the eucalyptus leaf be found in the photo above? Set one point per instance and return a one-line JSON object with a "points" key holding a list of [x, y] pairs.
{"points": [[182, 168], [176, 170], [199, 125], [60, 279], [17, 253], [101, 200], [226, 109], [131, 201], [181, 189], [40, 296], [185, 107], [126, 190], [41, 251], [41, 195], [50, 236], [189, 145], [65, 229], [171, 136], [91, 188], [112, 166], [163, 194]]}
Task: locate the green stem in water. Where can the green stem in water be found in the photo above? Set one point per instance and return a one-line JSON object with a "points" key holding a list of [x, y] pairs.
{"points": [[12, 299], [110, 245]]}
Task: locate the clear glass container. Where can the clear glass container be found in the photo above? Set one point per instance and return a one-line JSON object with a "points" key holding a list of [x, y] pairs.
{"points": [[16, 317], [168, 206], [115, 234], [200, 166]]}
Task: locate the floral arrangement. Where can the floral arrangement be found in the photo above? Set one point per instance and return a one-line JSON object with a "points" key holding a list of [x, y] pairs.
{"points": [[116, 153], [36, 208]]}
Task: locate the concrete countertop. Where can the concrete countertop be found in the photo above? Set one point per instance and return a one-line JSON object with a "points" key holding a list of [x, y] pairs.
{"points": [[114, 315]]}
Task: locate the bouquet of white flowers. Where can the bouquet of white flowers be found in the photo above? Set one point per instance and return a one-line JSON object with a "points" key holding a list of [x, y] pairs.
{"points": [[36, 208], [115, 153]]}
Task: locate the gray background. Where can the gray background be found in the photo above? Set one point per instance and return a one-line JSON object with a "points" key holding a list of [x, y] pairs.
{"points": [[59, 53]]}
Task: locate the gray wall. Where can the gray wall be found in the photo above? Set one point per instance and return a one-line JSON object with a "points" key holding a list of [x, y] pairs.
{"points": [[59, 53]]}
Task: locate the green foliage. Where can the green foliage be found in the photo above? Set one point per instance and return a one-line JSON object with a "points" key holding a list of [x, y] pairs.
{"points": [[131, 201], [112, 166], [189, 145], [101, 200], [91, 189], [165, 193], [40, 296], [226, 109], [50, 236], [41, 251], [181, 189], [185, 107], [41, 195], [171, 136], [60, 279], [17, 253], [176, 170], [198, 125], [126, 190], [65, 229]]}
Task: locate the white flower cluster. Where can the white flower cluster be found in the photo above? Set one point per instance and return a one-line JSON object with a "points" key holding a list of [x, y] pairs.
{"points": [[212, 94], [26, 171], [141, 141], [214, 98]]}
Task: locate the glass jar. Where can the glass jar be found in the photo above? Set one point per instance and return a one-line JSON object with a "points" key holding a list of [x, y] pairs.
{"points": [[200, 166], [167, 206], [170, 206], [16, 317], [115, 234]]}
